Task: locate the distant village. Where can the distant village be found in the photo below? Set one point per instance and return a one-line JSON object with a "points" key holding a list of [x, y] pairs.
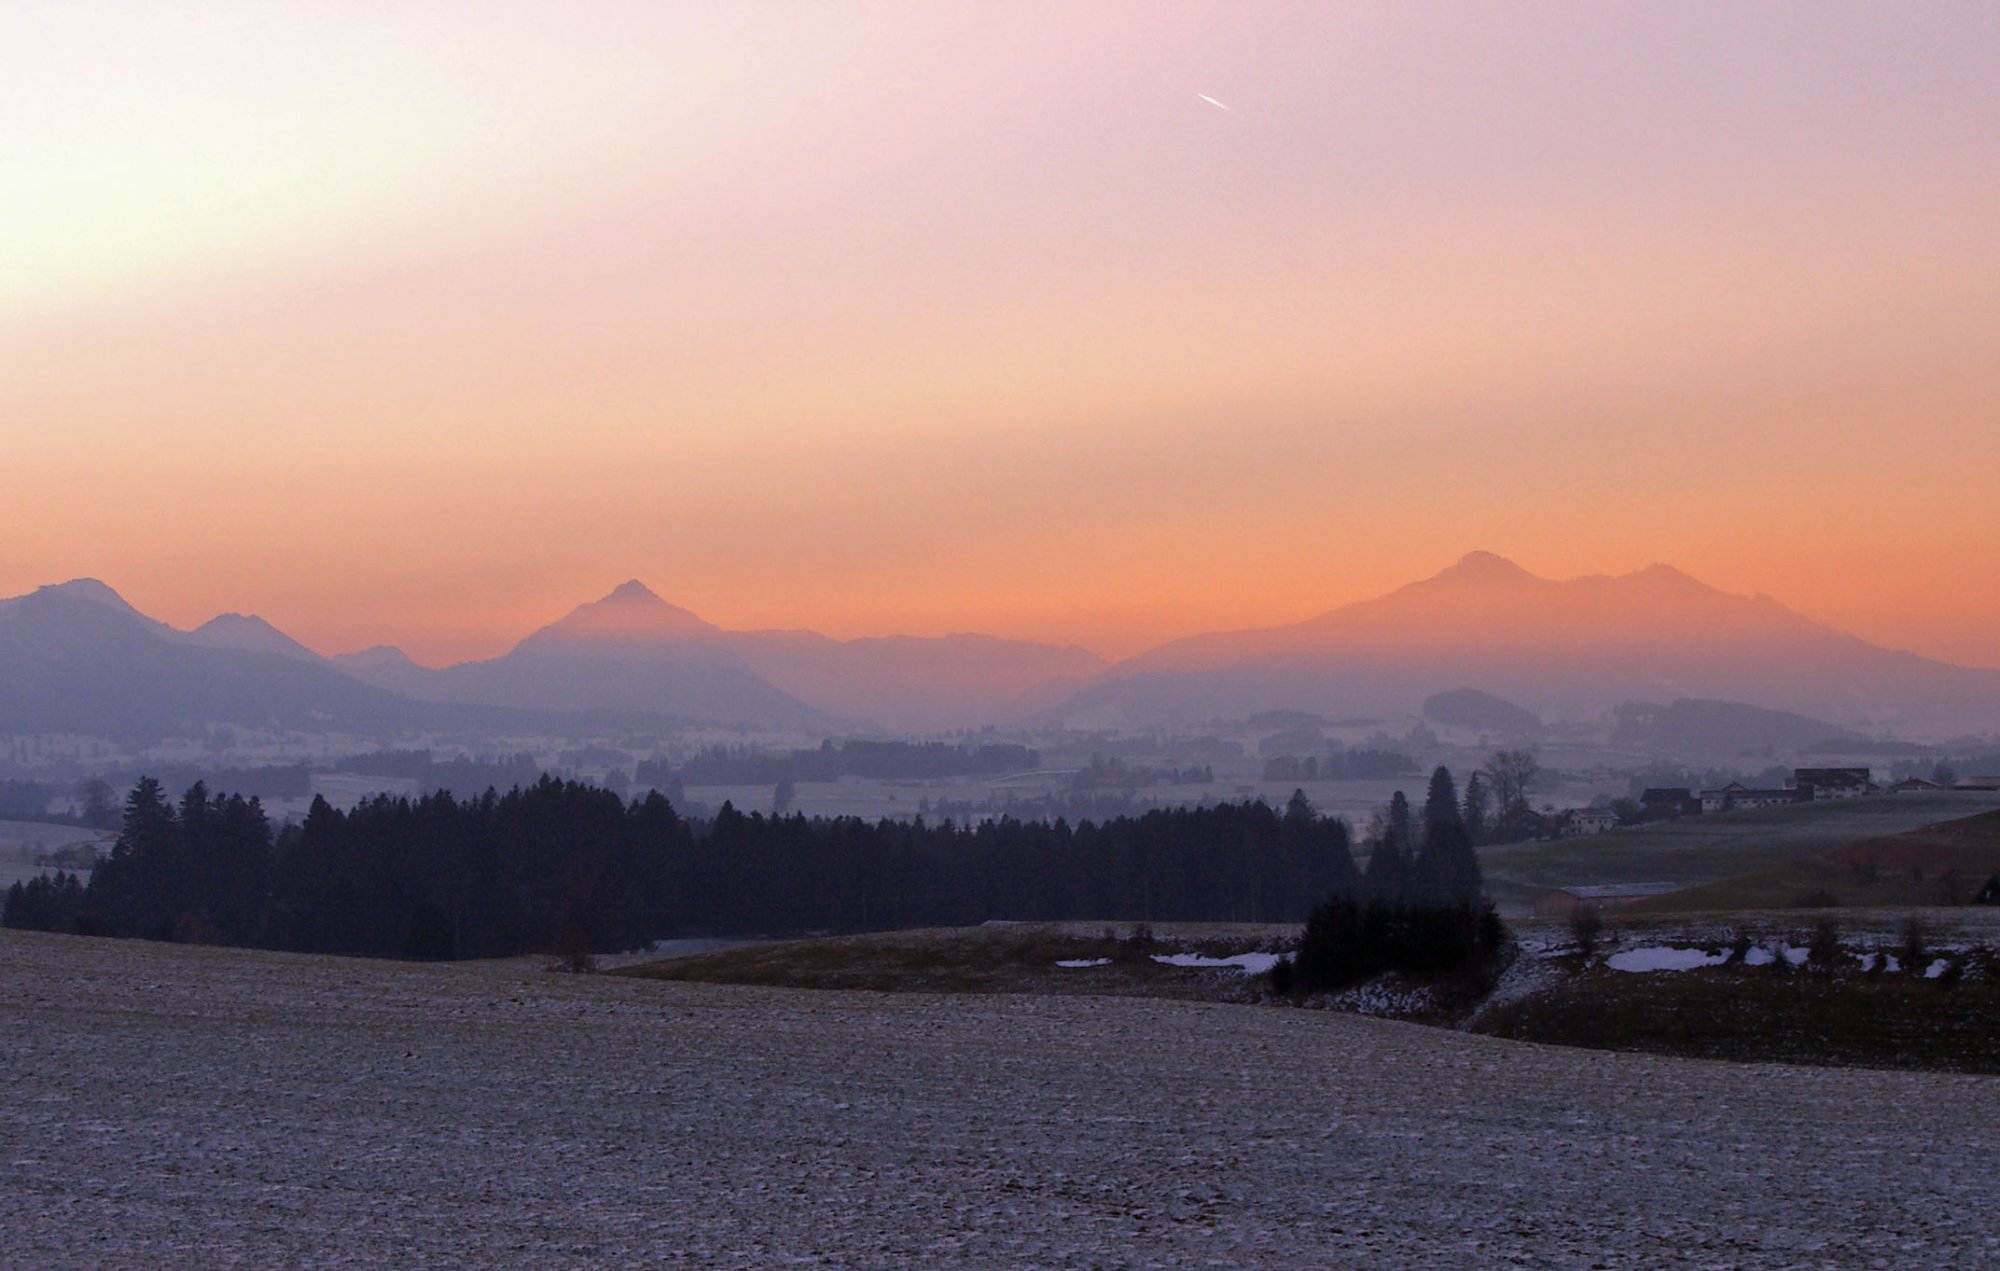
{"points": [[1808, 785]]}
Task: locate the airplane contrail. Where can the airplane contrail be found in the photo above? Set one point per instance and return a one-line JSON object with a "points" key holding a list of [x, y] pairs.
{"points": [[1218, 105]]}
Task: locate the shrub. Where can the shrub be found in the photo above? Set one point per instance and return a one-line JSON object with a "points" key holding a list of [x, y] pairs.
{"points": [[1283, 978], [1823, 950], [1916, 946], [1779, 962], [1346, 942], [1586, 926], [1739, 948]]}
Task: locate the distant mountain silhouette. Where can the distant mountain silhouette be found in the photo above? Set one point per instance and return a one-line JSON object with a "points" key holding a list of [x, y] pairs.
{"points": [[248, 633], [1695, 729], [386, 666], [630, 652], [76, 658], [1575, 648], [633, 651]]}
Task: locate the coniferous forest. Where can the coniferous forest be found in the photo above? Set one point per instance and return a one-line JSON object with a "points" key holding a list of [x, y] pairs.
{"points": [[562, 866]]}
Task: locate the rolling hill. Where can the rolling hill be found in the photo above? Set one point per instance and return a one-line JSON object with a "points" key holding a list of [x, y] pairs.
{"points": [[1940, 863]]}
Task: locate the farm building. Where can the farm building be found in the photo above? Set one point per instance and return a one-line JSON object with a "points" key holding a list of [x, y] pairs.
{"points": [[1578, 821], [1833, 783], [1736, 796]]}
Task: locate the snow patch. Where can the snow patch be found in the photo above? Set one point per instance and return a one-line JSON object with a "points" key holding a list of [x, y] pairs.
{"points": [[1662, 958], [1935, 969], [1079, 964], [1381, 997], [1247, 963]]}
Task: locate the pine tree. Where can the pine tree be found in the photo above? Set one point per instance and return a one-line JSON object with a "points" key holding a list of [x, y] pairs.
{"points": [[1447, 869], [1388, 878]]}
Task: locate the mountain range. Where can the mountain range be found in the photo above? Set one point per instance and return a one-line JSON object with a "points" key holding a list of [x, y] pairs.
{"points": [[1572, 648], [633, 651], [75, 657]]}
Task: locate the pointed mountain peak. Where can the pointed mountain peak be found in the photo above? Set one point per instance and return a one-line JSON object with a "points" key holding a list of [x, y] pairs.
{"points": [[377, 655], [89, 589], [632, 591], [235, 621], [1666, 576], [631, 612], [248, 633], [96, 598], [1481, 566]]}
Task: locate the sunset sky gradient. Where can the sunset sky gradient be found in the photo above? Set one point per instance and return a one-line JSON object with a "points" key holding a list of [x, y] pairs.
{"points": [[420, 322]]}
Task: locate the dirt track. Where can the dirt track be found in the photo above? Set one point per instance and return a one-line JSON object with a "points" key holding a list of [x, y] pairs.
{"points": [[198, 1106]]}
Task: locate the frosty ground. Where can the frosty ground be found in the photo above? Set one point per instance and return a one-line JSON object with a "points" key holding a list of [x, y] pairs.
{"points": [[202, 1105]]}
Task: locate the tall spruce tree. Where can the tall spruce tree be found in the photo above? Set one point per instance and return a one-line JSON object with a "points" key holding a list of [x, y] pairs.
{"points": [[1447, 869], [1389, 879]]}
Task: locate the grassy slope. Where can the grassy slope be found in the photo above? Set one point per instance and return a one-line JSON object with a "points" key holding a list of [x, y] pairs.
{"points": [[1937, 864], [997, 958], [1698, 850], [1765, 1014]]}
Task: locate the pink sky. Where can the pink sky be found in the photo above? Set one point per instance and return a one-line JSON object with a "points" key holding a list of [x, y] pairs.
{"points": [[420, 322]]}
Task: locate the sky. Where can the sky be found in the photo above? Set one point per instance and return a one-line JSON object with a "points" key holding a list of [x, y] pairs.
{"points": [[421, 322]]}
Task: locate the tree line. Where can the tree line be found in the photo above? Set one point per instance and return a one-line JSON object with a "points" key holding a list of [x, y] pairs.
{"points": [[565, 867], [559, 865]]}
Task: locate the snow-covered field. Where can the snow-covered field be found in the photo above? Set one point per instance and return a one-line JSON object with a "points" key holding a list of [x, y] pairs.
{"points": [[178, 1106]]}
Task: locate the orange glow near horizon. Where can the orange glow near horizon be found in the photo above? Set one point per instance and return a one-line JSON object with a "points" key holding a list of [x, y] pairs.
{"points": [[422, 323]]}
